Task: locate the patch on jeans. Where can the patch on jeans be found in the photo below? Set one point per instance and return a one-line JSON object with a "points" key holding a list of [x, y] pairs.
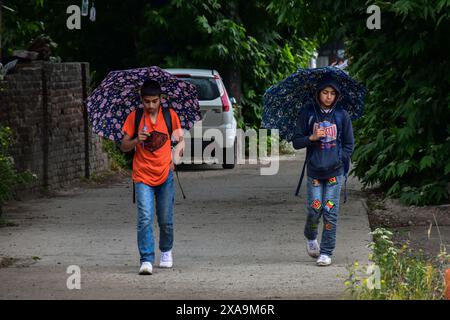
{"points": [[329, 205], [316, 205], [328, 226], [332, 181], [316, 183]]}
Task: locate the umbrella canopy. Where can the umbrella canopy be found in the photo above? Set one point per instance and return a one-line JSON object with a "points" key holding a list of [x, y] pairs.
{"points": [[119, 94], [283, 101]]}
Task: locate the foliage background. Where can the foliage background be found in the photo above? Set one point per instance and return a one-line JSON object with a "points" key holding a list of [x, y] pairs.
{"points": [[9, 177], [402, 142]]}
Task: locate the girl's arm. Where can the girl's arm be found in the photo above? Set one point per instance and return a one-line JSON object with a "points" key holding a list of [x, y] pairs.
{"points": [[348, 141]]}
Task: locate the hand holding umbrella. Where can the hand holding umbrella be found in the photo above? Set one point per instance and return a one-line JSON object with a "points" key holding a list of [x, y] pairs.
{"points": [[318, 134]]}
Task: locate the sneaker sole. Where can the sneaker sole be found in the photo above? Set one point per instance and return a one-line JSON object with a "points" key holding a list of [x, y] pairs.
{"points": [[166, 266], [313, 254], [145, 273], [323, 264]]}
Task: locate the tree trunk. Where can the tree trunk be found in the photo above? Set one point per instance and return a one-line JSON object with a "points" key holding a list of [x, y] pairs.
{"points": [[233, 78], [233, 82]]}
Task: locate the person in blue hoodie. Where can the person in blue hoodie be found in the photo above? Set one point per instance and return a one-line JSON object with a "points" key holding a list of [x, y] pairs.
{"points": [[325, 129]]}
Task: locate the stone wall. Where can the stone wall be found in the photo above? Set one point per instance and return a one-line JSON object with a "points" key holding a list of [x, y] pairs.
{"points": [[43, 104]]}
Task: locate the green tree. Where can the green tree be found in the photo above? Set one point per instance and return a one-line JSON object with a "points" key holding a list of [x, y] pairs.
{"points": [[238, 38], [241, 39], [19, 24]]}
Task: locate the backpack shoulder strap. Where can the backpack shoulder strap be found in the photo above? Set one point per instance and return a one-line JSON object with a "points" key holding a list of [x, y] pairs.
{"points": [[168, 120], [137, 121]]}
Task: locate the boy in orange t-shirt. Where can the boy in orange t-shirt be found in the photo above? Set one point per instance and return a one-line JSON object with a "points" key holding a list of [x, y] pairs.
{"points": [[153, 174]]}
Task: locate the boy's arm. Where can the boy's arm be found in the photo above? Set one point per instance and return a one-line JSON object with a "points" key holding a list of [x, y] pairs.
{"points": [[177, 136], [128, 143], [178, 132], [301, 137]]}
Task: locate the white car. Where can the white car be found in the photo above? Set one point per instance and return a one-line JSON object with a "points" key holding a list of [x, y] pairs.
{"points": [[217, 115]]}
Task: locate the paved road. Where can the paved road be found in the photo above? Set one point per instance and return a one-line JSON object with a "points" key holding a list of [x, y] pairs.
{"points": [[237, 236]]}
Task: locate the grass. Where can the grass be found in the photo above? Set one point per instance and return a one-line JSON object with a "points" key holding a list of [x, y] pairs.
{"points": [[397, 273], [6, 262], [119, 160]]}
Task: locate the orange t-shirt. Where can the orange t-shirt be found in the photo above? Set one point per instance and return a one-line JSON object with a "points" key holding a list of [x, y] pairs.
{"points": [[152, 168]]}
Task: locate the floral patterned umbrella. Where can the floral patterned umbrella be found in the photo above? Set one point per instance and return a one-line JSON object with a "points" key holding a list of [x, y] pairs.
{"points": [[283, 101], [119, 94]]}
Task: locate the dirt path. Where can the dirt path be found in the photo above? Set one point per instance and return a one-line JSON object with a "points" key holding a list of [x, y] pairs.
{"points": [[237, 236]]}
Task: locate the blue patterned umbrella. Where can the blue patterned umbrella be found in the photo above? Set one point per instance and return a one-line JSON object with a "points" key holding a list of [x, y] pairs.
{"points": [[119, 94], [283, 101]]}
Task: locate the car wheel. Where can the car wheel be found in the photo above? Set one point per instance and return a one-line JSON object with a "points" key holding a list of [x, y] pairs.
{"points": [[230, 151]]}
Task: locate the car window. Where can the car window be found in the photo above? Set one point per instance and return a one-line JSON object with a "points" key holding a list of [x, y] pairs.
{"points": [[206, 88]]}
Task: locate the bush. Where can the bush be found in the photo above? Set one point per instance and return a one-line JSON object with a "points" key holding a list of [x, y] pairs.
{"points": [[403, 274], [403, 141], [119, 160], [9, 177]]}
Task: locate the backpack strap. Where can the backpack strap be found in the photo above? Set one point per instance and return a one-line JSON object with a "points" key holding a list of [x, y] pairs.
{"points": [[339, 122], [138, 118], [137, 121], [168, 120], [297, 191]]}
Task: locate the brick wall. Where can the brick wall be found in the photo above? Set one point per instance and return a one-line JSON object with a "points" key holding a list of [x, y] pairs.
{"points": [[43, 104]]}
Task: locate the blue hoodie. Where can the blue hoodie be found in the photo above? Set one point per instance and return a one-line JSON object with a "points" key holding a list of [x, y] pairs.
{"points": [[330, 156]]}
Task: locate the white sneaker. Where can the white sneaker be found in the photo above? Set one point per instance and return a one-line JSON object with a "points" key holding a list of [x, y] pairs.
{"points": [[313, 249], [323, 260], [166, 260], [146, 268]]}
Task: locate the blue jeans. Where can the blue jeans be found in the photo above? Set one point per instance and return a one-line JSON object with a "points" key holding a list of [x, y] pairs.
{"points": [[146, 196], [323, 200]]}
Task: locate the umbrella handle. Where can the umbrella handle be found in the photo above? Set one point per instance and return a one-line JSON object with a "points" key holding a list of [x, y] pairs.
{"points": [[179, 184]]}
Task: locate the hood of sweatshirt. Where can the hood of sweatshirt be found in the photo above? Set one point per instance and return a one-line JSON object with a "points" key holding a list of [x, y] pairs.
{"points": [[328, 82]]}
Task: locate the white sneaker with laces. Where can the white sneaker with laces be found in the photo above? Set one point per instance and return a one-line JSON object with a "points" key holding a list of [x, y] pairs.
{"points": [[313, 249], [146, 269], [323, 260], [166, 260]]}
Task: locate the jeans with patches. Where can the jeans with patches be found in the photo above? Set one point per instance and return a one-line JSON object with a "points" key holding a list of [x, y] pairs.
{"points": [[323, 200], [146, 198]]}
